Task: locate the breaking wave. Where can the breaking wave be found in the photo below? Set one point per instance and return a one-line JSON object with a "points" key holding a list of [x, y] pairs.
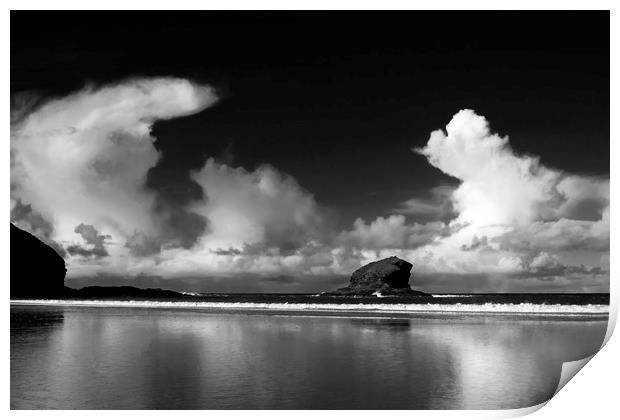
{"points": [[470, 308]]}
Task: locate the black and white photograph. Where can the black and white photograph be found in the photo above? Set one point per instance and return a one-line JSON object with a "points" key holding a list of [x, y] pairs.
{"points": [[306, 210]]}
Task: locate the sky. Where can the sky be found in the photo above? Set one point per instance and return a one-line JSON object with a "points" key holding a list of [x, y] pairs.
{"points": [[279, 152]]}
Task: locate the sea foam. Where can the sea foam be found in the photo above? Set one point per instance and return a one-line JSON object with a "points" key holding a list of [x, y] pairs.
{"points": [[481, 308]]}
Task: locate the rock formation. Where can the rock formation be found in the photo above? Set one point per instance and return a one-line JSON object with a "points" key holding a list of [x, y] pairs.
{"points": [[387, 277], [37, 271]]}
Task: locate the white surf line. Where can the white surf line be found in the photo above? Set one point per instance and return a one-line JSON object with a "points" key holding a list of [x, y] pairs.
{"points": [[459, 308]]}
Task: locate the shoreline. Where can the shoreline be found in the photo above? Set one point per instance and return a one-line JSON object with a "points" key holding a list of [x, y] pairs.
{"points": [[430, 309]]}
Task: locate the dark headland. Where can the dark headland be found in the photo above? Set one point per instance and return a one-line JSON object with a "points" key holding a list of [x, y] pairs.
{"points": [[37, 271]]}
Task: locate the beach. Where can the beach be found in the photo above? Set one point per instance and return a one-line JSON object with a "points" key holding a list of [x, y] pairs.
{"points": [[89, 355]]}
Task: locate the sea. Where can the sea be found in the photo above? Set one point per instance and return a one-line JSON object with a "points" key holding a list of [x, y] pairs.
{"points": [[305, 351]]}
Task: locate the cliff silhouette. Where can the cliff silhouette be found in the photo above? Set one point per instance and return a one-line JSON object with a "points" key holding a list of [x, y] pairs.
{"points": [[37, 271]]}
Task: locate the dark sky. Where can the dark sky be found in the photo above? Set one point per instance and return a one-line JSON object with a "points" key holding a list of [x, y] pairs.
{"points": [[338, 99]]}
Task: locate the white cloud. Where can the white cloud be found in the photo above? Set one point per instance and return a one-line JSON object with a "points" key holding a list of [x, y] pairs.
{"points": [[498, 187], [392, 232], [264, 206], [438, 206], [83, 159], [560, 235], [521, 207], [544, 260], [583, 198], [260, 222], [514, 216]]}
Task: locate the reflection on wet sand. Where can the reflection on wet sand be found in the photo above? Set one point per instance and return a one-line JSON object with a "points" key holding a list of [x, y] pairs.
{"points": [[149, 358]]}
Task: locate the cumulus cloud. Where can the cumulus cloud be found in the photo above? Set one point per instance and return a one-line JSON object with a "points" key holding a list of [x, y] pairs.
{"points": [[260, 222], [560, 235], [547, 266], [84, 158], [437, 206], [79, 167], [477, 244], [511, 216], [498, 186], [517, 214], [392, 232], [94, 242], [263, 206], [583, 198], [141, 245]]}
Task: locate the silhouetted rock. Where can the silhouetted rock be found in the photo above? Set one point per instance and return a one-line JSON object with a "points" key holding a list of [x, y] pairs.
{"points": [[387, 277], [37, 271]]}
